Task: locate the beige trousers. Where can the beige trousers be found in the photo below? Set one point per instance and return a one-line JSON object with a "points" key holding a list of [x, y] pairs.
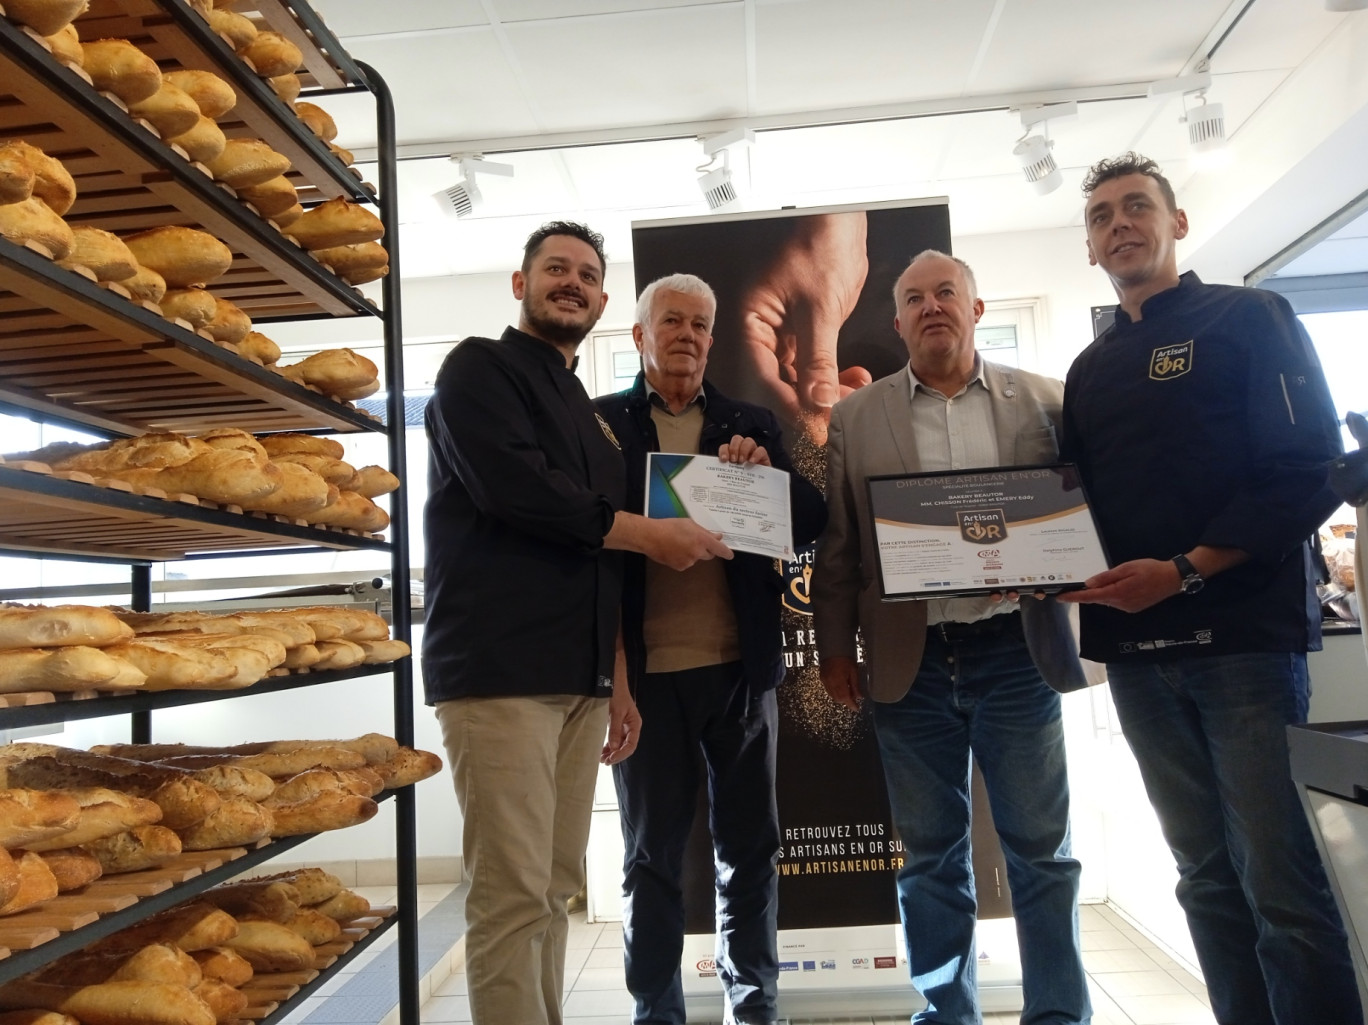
{"points": [[524, 770]]}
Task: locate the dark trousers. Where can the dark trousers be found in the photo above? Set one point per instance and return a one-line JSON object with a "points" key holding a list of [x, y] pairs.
{"points": [[709, 710]]}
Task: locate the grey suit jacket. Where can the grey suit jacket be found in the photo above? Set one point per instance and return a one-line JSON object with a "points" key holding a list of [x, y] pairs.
{"points": [[871, 433]]}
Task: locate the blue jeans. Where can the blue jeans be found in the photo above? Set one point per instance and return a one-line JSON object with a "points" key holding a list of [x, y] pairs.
{"points": [[709, 710], [1210, 737], [986, 697]]}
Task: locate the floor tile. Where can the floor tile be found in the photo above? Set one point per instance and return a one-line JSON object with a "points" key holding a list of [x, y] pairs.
{"points": [[447, 1009], [1167, 1009], [1139, 984]]}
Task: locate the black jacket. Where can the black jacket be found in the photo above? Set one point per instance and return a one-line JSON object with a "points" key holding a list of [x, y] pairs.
{"points": [[523, 484], [754, 581]]}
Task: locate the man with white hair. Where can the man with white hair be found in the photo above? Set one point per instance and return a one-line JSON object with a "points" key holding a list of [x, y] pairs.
{"points": [[701, 652]]}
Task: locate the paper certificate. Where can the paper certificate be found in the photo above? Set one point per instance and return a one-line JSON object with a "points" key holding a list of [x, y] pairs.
{"points": [[747, 505], [1022, 528]]}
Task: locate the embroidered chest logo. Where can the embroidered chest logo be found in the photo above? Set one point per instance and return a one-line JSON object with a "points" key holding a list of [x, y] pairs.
{"points": [[980, 525], [608, 432], [1169, 361]]}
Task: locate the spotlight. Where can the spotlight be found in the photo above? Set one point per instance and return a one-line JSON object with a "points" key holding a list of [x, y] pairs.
{"points": [[1205, 121], [463, 198], [1033, 151], [716, 183]]}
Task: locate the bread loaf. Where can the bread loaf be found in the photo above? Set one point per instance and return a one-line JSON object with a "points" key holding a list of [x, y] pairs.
{"points": [[225, 1001], [288, 443], [16, 172], [303, 657], [156, 962], [146, 285], [228, 324], [27, 172], [274, 900], [10, 879], [336, 222], [100, 252], [136, 849], [170, 110], [45, 16], [329, 810], [202, 143], [73, 868], [112, 1003], [272, 196], [356, 264], [28, 816], [170, 666], [226, 477], [236, 29], [36, 885], [344, 906], [373, 747], [302, 492], [211, 94], [236, 781], [344, 155], [247, 162], [36, 1016], [66, 45], [223, 964], [45, 626], [311, 885], [259, 346], [192, 926], [196, 305], [271, 947], [272, 55], [314, 927], [339, 372], [318, 120], [384, 651], [409, 766], [286, 87], [333, 471], [353, 512], [117, 66], [104, 813], [62, 670], [236, 823], [183, 256], [32, 221]]}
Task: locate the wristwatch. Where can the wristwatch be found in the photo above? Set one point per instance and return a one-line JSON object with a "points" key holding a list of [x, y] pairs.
{"points": [[1192, 581]]}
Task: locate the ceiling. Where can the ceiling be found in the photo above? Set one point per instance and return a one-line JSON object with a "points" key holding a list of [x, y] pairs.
{"points": [[599, 104]]}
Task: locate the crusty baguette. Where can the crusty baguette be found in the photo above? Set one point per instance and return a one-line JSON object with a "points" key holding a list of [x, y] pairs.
{"points": [[156, 962], [236, 781], [409, 766], [73, 867], [329, 810], [192, 926], [287, 442], [36, 885], [224, 1000], [311, 885], [171, 666], [344, 906], [384, 651], [235, 823], [375, 481], [275, 901], [224, 965], [136, 849], [62, 670], [30, 815], [107, 813], [112, 1003], [271, 947], [43, 626], [9, 876]]}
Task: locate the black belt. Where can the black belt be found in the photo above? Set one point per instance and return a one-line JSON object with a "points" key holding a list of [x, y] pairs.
{"points": [[1002, 625]]}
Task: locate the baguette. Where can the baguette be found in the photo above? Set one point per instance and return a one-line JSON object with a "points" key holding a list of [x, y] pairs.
{"points": [[302, 492], [287, 442], [27, 816], [103, 813], [112, 1003], [36, 885], [409, 766], [344, 906], [192, 926], [271, 947], [136, 849], [236, 823], [224, 965], [375, 481], [224, 1000], [171, 666], [39, 626], [314, 927], [10, 880], [329, 810], [236, 781], [156, 962], [73, 868], [311, 885], [384, 651], [274, 901], [65, 669]]}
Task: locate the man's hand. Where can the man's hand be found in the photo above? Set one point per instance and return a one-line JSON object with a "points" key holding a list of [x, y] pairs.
{"points": [[1131, 587], [624, 725], [841, 679], [680, 543], [791, 316], [743, 450]]}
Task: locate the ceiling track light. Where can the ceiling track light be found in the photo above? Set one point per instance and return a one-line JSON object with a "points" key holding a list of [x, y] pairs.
{"points": [[1206, 128], [716, 183], [1033, 152], [463, 198]]}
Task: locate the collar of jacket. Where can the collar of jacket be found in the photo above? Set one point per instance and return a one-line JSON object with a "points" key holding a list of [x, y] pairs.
{"points": [[534, 346]]}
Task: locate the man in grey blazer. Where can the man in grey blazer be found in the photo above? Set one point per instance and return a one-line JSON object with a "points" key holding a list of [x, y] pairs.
{"points": [[956, 676]]}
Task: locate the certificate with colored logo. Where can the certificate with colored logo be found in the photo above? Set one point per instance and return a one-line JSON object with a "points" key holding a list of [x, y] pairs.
{"points": [[962, 532], [747, 505]]}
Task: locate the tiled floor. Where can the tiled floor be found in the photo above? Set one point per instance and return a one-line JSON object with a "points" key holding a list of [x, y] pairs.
{"points": [[1133, 982]]}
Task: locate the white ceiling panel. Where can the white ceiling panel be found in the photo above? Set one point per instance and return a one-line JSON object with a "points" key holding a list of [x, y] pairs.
{"points": [[353, 18], [533, 10], [813, 54], [676, 64], [1276, 34]]}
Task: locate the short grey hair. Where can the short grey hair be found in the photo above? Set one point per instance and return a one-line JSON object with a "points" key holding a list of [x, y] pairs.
{"points": [[689, 284], [928, 254]]}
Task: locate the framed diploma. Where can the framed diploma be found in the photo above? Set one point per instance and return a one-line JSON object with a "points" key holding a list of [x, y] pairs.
{"points": [[961, 532], [747, 505]]}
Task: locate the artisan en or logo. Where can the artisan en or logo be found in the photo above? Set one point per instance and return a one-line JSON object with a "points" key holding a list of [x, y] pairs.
{"points": [[982, 525], [608, 432], [1170, 361]]}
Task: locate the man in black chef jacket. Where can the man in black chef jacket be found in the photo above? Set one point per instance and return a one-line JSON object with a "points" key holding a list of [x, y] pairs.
{"points": [[526, 487]]}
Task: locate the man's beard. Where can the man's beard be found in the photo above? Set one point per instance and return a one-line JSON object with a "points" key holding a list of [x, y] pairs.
{"points": [[552, 330]]}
